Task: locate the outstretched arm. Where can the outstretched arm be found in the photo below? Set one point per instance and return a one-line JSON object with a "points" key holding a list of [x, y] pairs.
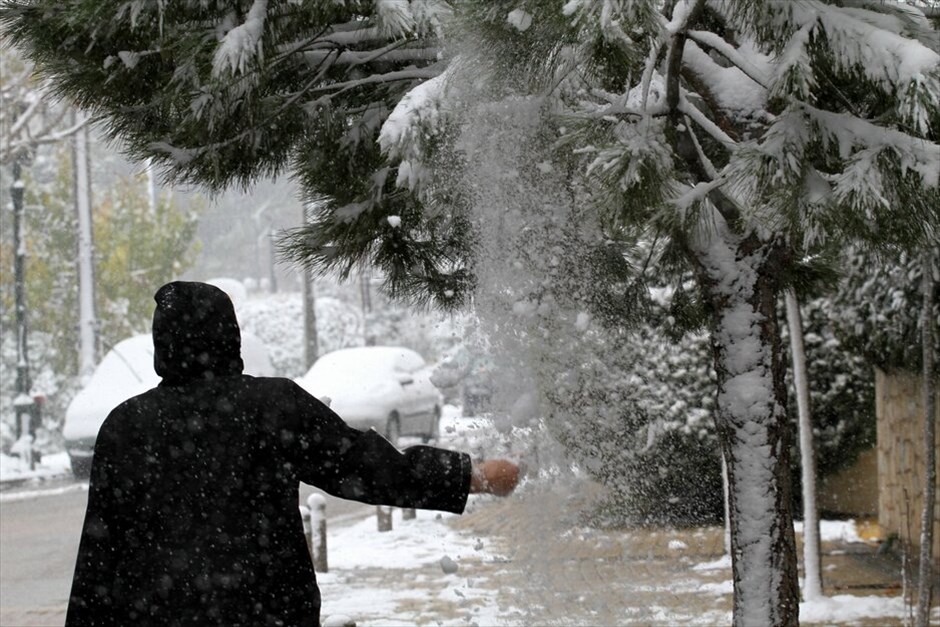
{"points": [[363, 466]]}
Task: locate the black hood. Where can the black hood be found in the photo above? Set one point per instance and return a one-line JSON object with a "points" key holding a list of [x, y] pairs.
{"points": [[195, 333]]}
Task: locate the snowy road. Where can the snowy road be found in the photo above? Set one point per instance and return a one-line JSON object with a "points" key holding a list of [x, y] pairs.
{"points": [[39, 533]]}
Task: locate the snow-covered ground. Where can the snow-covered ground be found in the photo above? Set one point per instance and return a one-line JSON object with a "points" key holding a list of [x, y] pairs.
{"points": [[406, 576], [13, 468], [424, 571]]}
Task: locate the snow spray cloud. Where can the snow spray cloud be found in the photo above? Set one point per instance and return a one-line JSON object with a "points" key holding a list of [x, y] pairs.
{"points": [[542, 264]]}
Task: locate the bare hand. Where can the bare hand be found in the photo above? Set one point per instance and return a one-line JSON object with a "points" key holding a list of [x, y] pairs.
{"points": [[494, 476]]}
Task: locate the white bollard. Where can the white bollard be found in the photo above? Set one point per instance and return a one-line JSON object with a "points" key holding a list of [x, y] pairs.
{"points": [[317, 505]]}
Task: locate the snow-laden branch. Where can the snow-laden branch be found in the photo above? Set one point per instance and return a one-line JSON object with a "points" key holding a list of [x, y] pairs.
{"points": [[681, 14], [242, 44], [851, 134], [729, 87], [722, 47], [416, 117], [704, 122], [360, 57], [23, 119], [861, 41], [388, 77], [352, 37]]}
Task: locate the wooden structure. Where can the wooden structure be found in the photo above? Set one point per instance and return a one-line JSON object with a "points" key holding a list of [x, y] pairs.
{"points": [[901, 447]]}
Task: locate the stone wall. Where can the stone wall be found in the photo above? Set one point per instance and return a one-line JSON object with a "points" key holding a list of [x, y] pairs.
{"points": [[899, 407]]}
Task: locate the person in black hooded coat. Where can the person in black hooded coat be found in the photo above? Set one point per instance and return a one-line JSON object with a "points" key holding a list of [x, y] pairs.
{"points": [[192, 514]]}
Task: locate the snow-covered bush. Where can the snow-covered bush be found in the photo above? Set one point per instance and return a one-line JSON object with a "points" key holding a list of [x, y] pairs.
{"points": [[277, 320], [842, 391], [655, 449], [877, 312], [56, 387]]}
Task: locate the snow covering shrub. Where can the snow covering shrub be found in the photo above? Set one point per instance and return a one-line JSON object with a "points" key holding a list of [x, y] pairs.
{"points": [[277, 320], [877, 312], [842, 392], [57, 387], [652, 442]]}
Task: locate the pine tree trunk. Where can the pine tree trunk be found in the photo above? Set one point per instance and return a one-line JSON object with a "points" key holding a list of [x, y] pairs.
{"points": [[925, 576], [812, 570], [752, 425]]}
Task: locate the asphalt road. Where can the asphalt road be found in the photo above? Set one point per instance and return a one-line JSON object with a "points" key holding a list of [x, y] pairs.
{"points": [[40, 527]]}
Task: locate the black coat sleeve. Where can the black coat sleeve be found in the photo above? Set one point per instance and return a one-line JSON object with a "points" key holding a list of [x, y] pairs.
{"points": [[90, 601], [363, 466]]}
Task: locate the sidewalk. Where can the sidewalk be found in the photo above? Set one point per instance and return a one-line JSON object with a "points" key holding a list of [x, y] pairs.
{"points": [[561, 572], [535, 563]]}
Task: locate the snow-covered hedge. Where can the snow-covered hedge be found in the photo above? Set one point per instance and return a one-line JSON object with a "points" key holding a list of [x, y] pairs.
{"points": [[842, 390], [878, 309], [277, 319], [647, 429]]}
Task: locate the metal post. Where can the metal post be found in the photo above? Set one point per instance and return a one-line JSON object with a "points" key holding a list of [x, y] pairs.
{"points": [[272, 259], [383, 515], [317, 506], [305, 517], [23, 403], [310, 313]]}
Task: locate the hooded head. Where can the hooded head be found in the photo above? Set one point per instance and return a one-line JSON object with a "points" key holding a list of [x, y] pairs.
{"points": [[195, 333]]}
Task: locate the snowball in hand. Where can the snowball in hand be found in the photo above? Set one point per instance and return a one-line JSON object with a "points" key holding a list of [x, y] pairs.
{"points": [[448, 565]]}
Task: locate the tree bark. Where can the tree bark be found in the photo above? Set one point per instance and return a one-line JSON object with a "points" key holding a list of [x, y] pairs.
{"points": [[752, 423], [812, 571], [924, 575]]}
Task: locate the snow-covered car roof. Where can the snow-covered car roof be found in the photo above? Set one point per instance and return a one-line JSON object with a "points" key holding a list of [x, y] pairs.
{"points": [[126, 371], [367, 380]]}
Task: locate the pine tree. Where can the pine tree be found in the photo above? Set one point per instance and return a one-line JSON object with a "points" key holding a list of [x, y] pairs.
{"points": [[229, 92], [748, 135], [742, 136]]}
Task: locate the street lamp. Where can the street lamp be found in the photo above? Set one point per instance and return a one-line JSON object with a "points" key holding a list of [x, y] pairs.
{"points": [[23, 404]]}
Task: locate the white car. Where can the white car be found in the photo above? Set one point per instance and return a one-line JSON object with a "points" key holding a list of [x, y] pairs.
{"points": [[126, 371], [386, 388]]}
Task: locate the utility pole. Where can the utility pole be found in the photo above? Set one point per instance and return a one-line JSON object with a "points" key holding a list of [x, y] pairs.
{"points": [[365, 291], [153, 188], [24, 404], [87, 322], [310, 311]]}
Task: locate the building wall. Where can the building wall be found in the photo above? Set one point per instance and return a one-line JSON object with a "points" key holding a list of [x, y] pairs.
{"points": [[852, 491], [899, 407]]}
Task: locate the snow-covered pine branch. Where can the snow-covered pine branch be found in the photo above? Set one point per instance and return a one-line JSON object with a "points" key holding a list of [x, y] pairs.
{"points": [[415, 118], [241, 45], [861, 41], [393, 52]]}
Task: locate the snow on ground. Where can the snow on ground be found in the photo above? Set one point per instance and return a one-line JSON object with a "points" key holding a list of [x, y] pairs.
{"points": [[14, 468], [397, 577], [403, 577], [845, 608], [834, 531]]}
